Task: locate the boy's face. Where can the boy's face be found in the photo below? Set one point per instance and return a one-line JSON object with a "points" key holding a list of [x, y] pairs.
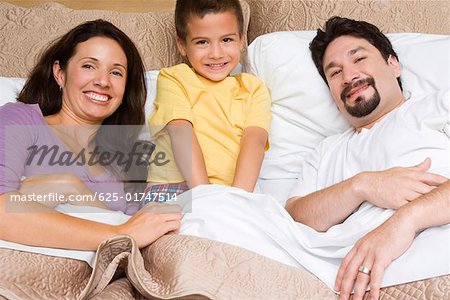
{"points": [[213, 45]]}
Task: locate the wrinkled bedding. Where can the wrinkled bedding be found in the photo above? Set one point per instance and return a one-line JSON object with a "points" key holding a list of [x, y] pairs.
{"points": [[175, 266], [258, 223]]}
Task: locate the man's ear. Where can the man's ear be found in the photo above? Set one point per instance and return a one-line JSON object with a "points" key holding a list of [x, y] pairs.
{"points": [[58, 74], [395, 65], [181, 45]]}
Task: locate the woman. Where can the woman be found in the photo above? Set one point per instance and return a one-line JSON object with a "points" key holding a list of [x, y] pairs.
{"points": [[89, 78]]}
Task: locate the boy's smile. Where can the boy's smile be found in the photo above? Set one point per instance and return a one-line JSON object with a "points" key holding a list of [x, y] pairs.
{"points": [[213, 45]]}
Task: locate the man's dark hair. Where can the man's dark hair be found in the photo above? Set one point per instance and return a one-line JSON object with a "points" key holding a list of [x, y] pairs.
{"points": [[338, 26]]}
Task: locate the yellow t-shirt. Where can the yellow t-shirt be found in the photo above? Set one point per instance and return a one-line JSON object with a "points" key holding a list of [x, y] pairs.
{"points": [[218, 111]]}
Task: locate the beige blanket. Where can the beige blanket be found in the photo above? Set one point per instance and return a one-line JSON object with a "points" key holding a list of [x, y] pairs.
{"points": [[175, 266]]}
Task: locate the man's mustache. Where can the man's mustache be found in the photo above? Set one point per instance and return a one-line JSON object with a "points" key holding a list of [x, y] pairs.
{"points": [[348, 88]]}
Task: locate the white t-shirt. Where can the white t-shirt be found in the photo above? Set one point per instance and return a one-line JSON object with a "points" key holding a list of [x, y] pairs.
{"points": [[418, 129]]}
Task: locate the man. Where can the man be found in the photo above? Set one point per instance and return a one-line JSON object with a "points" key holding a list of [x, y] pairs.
{"points": [[362, 71]]}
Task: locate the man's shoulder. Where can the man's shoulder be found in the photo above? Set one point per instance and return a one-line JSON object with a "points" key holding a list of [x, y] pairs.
{"points": [[423, 99], [427, 105], [330, 143]]}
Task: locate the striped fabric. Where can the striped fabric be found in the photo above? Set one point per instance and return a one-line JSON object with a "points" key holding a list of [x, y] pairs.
{"points": [[164, 192]]}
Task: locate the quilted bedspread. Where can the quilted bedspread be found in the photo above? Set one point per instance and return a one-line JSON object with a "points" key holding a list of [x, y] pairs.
{"points": [[175, 266]]}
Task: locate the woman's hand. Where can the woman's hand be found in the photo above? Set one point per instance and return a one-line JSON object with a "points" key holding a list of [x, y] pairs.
{"points": [[151, 222]]}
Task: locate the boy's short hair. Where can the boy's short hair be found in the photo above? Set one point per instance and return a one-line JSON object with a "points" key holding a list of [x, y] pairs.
{"points": [[338, 26], [186, 9]]}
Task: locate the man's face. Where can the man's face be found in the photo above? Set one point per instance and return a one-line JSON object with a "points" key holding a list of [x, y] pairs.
{"points": [[363, 85]]}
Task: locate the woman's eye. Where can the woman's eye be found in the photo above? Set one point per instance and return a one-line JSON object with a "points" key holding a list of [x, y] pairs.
{"points": [[117, 73], [202, 42], [227, 40], [87, 66], [359, 59]]}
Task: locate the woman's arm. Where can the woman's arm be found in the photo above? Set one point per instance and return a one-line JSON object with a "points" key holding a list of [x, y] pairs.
{"points": [[250, 158], [31, 223], [187, 153]]}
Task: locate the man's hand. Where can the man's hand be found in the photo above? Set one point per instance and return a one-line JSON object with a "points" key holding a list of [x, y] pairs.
{"points": [[375, 251], [397, 186]]}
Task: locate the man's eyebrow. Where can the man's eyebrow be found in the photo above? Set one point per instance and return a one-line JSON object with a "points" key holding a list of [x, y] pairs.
{"points": [[329, 66], [353, 51], [350, 53]]}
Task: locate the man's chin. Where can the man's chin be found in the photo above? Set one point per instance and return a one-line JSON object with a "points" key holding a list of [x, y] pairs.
{"points": [[362, 108]]}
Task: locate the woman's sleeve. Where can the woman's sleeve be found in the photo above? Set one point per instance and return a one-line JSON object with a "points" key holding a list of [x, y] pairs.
{"points": [[15, 138]]}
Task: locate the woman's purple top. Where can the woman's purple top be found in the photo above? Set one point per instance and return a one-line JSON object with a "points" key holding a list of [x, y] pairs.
{"points": [[29, 147]]}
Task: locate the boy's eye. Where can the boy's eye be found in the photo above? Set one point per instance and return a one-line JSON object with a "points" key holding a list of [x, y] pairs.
{"points": [[359, 59], [201, 42]]}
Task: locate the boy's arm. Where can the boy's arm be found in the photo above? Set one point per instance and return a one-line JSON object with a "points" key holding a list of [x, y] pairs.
{"points": [[250, 157], [187, 153]]}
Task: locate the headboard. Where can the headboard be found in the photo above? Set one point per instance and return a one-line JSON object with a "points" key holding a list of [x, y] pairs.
{"points": [[427, 16], [25, 31]]}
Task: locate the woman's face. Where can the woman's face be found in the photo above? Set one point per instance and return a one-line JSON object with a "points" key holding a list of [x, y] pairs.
{"points": [[93, 82]]}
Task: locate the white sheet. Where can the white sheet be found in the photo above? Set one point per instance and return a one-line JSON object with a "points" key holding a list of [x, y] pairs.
{"points": [[83, 212], [259, 223]]}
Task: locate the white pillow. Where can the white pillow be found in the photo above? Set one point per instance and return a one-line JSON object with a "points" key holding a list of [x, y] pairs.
{"points": [[303, 110], [9, 88]]}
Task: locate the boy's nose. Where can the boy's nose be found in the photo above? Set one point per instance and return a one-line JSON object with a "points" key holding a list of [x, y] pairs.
{"points": [[216, 51]]}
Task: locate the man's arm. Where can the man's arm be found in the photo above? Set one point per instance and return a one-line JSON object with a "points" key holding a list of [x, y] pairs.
{"points": [[382, 245], [250, 158], [325, 208], [391, 188]]}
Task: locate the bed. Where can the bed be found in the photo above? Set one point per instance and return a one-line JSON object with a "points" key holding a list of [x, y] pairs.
{"points": [[189, 267]]}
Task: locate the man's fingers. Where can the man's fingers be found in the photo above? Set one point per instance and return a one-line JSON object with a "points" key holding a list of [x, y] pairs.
{"points": [[433, 179], [350, 276], [425, 165], [375, 280], [342, 269], [423, 188], [362, 281]]}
